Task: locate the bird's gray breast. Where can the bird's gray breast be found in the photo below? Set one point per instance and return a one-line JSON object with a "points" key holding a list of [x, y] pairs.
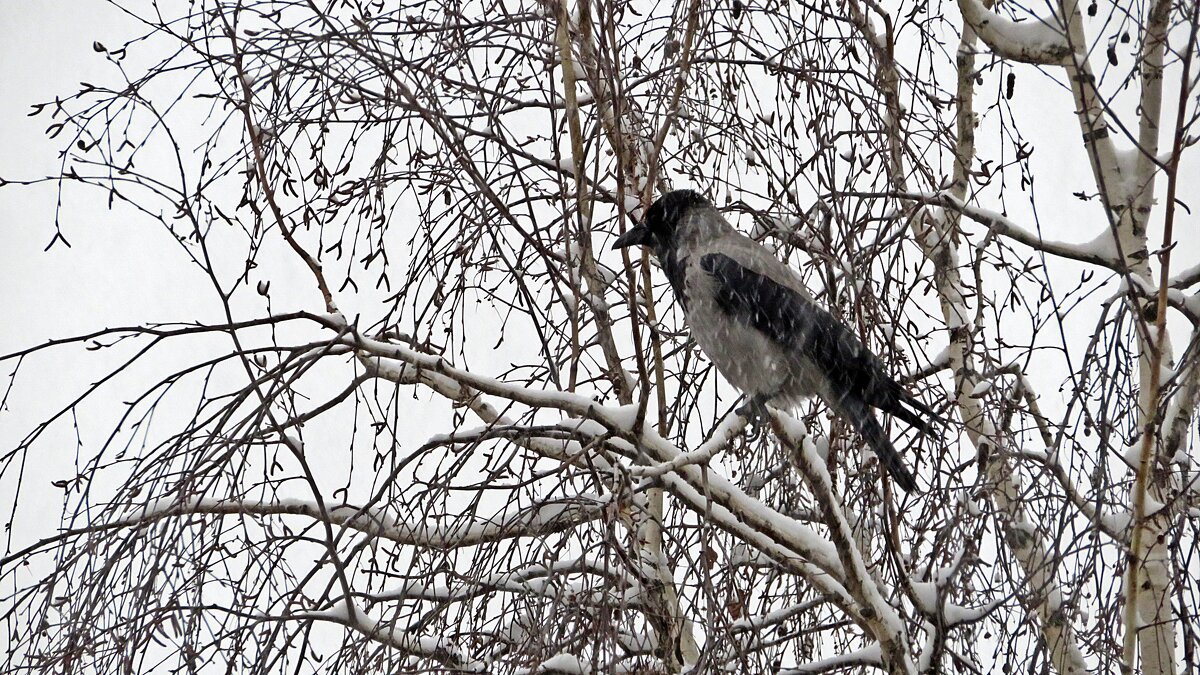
{"points": [[748, 358]]}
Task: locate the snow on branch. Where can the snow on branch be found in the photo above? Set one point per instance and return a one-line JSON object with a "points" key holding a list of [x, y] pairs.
{"points": [[883, 621], [731, 427], [546, 518], [1101, 250], [1037, 42], [538, 579], [425, 646], [1187, 278], [867, 656], [786, 536], [417, 367], [791, 544]]}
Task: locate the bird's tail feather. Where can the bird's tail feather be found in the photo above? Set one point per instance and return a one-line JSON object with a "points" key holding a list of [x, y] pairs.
{"points": [[856, 410], [913, 419]]}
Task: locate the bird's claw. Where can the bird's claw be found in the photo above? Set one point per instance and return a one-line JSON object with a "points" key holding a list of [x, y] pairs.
{"points": [[755, 412]]}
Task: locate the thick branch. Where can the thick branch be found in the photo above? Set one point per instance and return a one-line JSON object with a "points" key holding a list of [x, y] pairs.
{"points": [[882, 620], [1036, 42]]}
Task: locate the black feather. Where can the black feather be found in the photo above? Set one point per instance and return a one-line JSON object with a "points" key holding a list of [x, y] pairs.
{"points": [[856, 411], [663, 220], [674, 268]]}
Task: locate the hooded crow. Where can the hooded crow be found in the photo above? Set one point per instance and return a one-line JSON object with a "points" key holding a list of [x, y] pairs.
{"points": [[757, 323]]}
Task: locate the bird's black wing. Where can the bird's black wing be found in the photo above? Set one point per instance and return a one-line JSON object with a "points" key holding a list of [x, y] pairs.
{"points": [[795, 322], [855, 375]]}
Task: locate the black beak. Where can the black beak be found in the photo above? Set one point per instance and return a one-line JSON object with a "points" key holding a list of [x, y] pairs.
{"points": [[636, 236]]}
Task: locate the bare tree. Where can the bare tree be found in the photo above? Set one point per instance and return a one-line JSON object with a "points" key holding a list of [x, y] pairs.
{"points": [[475, 439]]}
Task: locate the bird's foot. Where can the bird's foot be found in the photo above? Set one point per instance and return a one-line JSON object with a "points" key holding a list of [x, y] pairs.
{"points": [[755, 412]]}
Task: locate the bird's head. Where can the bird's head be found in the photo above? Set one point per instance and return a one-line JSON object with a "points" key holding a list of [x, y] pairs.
{"points": [[657, 229]]}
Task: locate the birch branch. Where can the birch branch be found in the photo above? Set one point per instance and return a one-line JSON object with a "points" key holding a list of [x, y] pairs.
{"points": [[1150, 618], [883, 621], [1037, 42]]}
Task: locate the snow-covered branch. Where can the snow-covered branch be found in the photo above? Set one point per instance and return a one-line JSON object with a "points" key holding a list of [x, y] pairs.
{"points": [[428, 646], [1039, 41], [457, 532], [537, 579], [1101, 250], [796, 547], [883, 620]]}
